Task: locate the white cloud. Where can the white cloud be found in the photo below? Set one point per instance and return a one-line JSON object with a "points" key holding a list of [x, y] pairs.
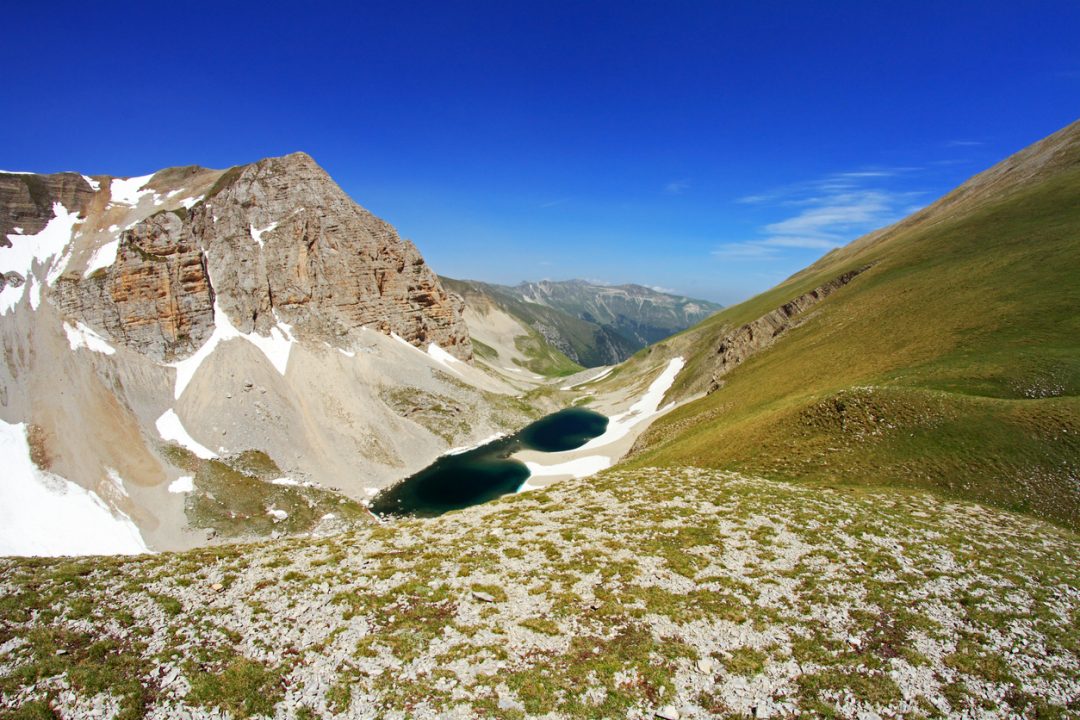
{"points": [[964, 143], [825, 213], [677, 187], [657, 288], [867, 174], [745, 250], [795, 241]]}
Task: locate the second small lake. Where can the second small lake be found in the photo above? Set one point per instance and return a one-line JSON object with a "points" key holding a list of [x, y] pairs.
{"points": [[482, 474]]}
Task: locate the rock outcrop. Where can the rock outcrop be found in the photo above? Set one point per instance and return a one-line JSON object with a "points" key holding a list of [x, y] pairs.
{"points": [[156, 298], [26, 200], [273, 242], [734, 348]]}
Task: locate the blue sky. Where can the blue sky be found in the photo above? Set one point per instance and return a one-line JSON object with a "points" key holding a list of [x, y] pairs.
{"points": [[709, 148]]}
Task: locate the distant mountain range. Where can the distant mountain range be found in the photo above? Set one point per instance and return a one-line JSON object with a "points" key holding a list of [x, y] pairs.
{"points": [[591, 323]]}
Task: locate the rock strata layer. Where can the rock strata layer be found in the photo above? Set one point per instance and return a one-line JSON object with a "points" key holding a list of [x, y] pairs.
{"points": [[734, 348], [26, 200]]}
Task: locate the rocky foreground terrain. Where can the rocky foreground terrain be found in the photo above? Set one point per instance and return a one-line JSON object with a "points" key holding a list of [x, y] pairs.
{"points": [[676, 593]]}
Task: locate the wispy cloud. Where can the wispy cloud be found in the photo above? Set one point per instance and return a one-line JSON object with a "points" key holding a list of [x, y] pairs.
{"points": [[825, 213], [553, 203], [659, 289], [866, 174], [677, 187], [964, 143], [748, 250]]}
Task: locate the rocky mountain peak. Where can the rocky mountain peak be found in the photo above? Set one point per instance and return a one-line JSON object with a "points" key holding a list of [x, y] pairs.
{"points": [[272, 244]]}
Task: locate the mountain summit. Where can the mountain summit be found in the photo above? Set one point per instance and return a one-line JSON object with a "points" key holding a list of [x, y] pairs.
{"points": [[275, 242]]}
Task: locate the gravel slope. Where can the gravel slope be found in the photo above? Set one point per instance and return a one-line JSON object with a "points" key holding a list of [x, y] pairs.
{"points": [[690, 592]]}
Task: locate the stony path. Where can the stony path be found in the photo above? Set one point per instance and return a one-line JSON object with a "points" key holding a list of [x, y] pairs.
{"points": [[684, 592]]}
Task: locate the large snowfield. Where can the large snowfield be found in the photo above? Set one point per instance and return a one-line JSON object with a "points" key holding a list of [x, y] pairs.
{"points": [[44, 514]]}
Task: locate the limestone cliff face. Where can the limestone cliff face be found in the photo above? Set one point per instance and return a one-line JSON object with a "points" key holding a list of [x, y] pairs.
{"points": [[156, 298], [26, 200], [273, 242]]}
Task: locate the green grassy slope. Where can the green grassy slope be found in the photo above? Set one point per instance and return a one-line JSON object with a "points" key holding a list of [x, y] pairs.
{"points": [[952, 364]]}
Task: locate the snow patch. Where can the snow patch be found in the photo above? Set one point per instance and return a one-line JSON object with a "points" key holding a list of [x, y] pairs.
{"points": [[192, 202], [578, 468], [129, 191], [170, 427], [403, 341], [467, 448], [80, 336], [103, 257], [25, 250], [257, 234], [182, 484], [284, 481], [34, 292], [94, 184], [443, 358], [45, 514], [603, 374], [277, 347], [117, 481], [277, 514]]}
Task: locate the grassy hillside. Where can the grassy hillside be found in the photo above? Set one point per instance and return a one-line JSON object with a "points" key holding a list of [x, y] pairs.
{"points": [[953, 363]]}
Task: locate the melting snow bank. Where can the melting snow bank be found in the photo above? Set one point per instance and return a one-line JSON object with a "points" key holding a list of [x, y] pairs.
{"points": [[26, 250], [647, 407], [442, 357], [578, 468], [619, 426], [603, 374], [434, 352], [79, 335], [467, 448], [182, 484], [170, 428], [45, 514], [130, 191], [103, 257], [276, 347]]}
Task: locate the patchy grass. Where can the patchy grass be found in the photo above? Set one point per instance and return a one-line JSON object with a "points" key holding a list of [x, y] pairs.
{"points": [[234, 496], [831, 601], [242, 688]]}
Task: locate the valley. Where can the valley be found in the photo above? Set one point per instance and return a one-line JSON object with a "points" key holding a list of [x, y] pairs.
{"points": [[852, 495]]}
